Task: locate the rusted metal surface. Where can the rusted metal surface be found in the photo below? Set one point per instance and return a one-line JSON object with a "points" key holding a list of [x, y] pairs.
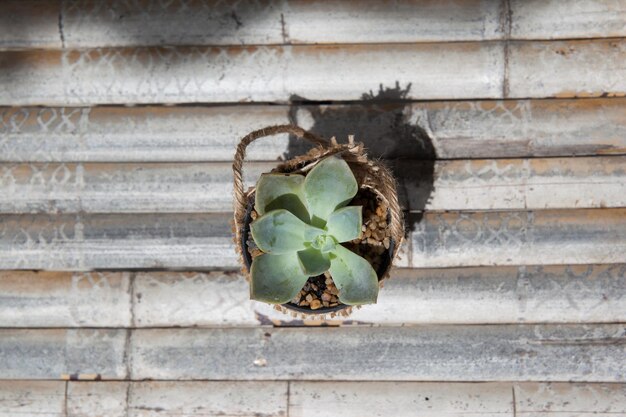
{"points": [[567, 69], [304, 399], [433, 353], [88, 398], [505, 132], [92, 23], [540, 237], [495, 184], [527, 294], [500, 184], [524, 294], [98, 23], [102, 241], [63, 354], [65, 299], [248, 74], [32, 398], [403, 399], [445, 130], [30, 24], [555, 19]]}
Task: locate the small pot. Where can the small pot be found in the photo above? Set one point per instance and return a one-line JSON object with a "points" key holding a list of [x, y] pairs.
{"points": [[247, 258], [375, 183]]}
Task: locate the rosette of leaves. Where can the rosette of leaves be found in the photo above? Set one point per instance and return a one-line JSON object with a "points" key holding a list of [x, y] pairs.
{"points": [[303, 221]]}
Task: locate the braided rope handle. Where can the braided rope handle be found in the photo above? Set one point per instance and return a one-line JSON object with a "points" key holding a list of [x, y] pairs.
{"points": [[240, 193]]}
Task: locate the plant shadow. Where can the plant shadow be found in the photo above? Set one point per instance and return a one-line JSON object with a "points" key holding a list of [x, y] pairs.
{"points": [[382, 121]]}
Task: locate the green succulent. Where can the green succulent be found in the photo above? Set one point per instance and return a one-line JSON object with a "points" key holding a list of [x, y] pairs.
{"points": [[302, 223]]}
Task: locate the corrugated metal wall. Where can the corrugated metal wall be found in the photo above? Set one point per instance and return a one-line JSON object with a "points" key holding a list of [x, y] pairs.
{"points": [[505, 122]]}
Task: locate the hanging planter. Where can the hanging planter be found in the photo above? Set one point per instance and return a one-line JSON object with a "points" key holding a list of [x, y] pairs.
{"points": [[317, 234]]}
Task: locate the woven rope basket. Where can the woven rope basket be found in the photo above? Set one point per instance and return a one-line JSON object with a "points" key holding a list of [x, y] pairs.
{"points": [[370, 175]]}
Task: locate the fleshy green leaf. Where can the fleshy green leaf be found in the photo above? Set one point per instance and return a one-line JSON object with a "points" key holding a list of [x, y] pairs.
{"points": [[324, 243], [276, 278], [280, 231], [281, 191], [313, 261], [312, 233], [328, 186], [345, 223], [354, 277]]}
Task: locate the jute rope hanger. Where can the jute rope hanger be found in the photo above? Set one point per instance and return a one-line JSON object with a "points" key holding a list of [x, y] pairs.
{"points": [[241, 200], [370, 174]]}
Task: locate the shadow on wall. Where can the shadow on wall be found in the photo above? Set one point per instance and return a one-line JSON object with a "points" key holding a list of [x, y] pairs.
{"points": [[382, 122]]}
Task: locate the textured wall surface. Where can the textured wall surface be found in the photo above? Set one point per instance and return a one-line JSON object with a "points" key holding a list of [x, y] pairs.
{"points": [[504, 122]]}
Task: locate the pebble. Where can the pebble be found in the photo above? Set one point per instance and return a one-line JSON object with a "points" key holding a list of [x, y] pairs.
{"points": [[260, 362]]}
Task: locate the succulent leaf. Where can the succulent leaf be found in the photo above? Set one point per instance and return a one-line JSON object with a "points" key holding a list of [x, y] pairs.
{"points": [[281, 191], [280, 231], [312, 233], [345, 224], [328, 186], [276, 278], [354, 277], [324, 243], [313, 261], [302, 222]]}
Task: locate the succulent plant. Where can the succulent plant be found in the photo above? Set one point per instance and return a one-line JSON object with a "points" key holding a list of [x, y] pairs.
{"points": [[301, 225]]}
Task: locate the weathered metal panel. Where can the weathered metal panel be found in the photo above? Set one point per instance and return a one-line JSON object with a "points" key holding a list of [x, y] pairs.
{"points": [[374, 21], [108, 241], [520, 128], [515, 184], [541, 237], [209, 398], [121, 188], [89, 399], [570, 400], [303, 398], [92, 24], [123, 134], [246, 74], [98, 23], [567, 69], [494, 184], [30, 24], [352, 399], [399, 399], [63, 354], [103, 241], [32, 398], [438, 353], [95, 23], [466, 129], [527, 294], [64, 299], [555, 19]]}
